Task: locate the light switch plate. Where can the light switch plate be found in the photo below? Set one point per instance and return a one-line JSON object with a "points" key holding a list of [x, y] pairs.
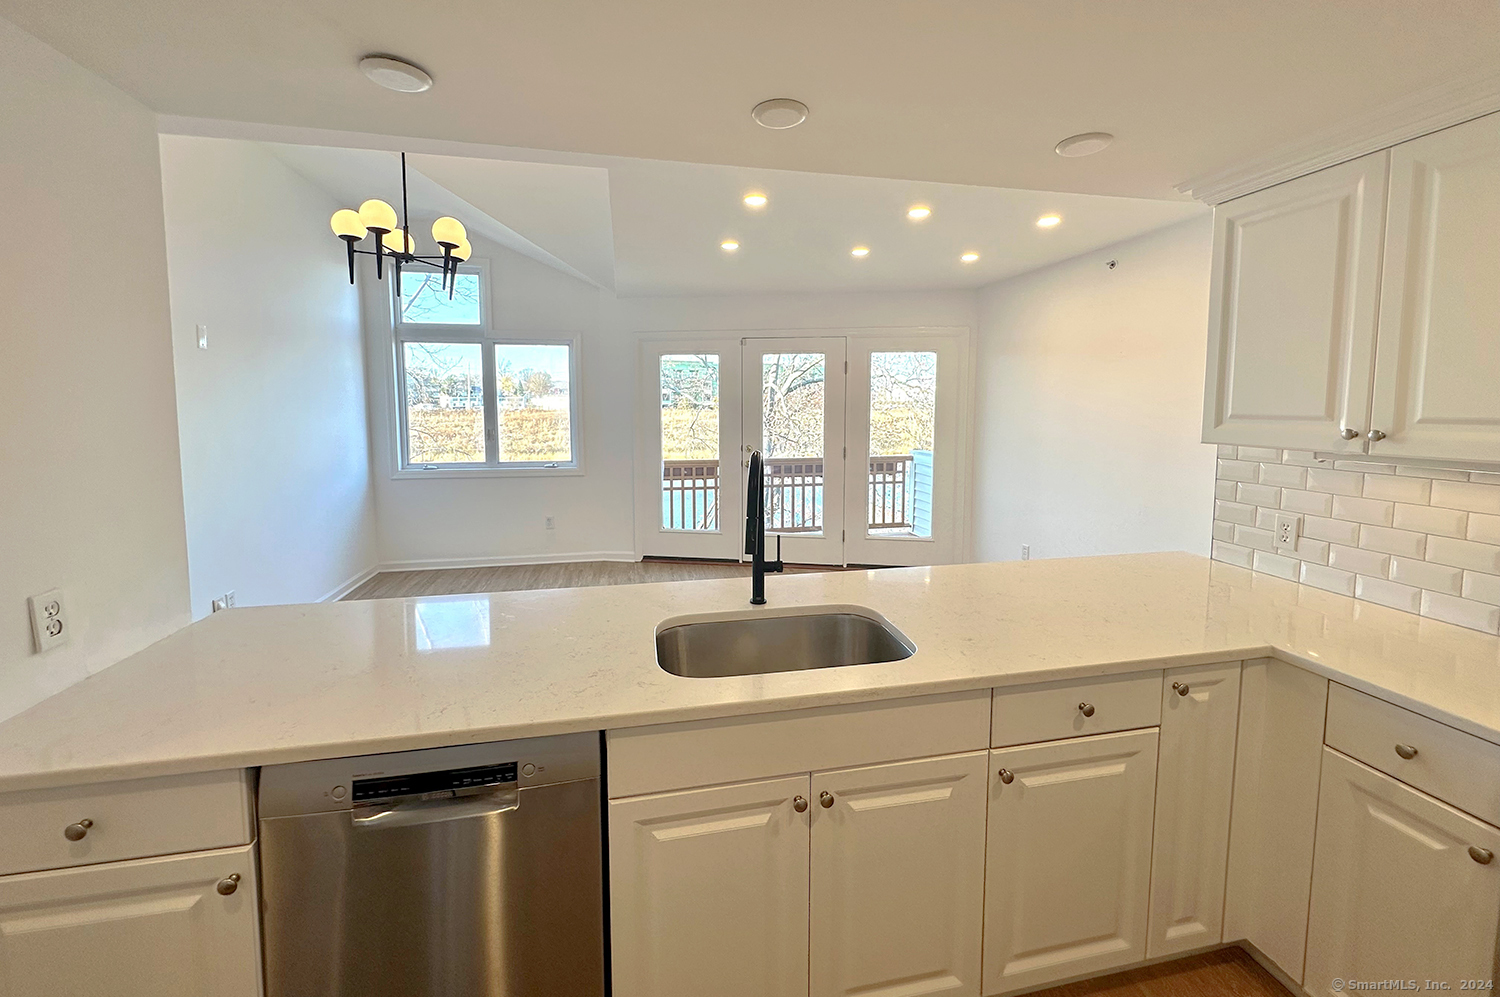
{"points": [[203, 337], [1288, 530], [50, 626]]}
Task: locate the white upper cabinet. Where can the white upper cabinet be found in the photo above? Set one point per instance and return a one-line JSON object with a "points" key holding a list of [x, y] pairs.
{"points": [[1292, 311], [1438, 352]]}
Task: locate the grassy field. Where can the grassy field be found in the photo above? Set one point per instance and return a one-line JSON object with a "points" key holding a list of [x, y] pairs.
{"points": [[442, 436]]}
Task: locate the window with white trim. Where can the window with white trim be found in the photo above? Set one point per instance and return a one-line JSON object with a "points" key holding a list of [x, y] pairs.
{"points": [[471, 398]]}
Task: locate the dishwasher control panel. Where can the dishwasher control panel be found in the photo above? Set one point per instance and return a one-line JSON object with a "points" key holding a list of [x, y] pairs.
{"points": [[446, 781]]}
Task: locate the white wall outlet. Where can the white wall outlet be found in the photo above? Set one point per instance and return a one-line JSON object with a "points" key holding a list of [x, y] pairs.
{"points": [[1026, 552], [551, 523], [203, 337], [229, 599], [225, 601], [50, 625], [1288, 529]]}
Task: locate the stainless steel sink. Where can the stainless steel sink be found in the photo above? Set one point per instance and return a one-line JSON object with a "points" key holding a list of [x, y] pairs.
{"points": [[754, 645]]}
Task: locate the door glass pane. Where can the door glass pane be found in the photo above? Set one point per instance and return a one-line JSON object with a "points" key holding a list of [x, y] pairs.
{"points": [[690, 441], [903, 408], [444, 403], [792, 440], [534, 402]]}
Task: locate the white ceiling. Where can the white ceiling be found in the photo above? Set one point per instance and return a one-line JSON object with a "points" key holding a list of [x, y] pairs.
{"points": [[960, 91], [648, 227]]}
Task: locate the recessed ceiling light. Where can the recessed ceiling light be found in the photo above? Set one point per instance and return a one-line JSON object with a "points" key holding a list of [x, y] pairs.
{"points": [[1084, 145], [729, 245], [755, 200], [395, 74], [779, 112], [918, 212], [860, 251], [969, 257], [1049, 221]]}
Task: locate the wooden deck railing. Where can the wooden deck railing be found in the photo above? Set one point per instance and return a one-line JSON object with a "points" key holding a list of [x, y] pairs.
{"points": [[794, 494]]}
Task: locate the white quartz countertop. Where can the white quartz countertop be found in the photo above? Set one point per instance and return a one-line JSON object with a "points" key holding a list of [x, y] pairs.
{"points": [[291, 683]]}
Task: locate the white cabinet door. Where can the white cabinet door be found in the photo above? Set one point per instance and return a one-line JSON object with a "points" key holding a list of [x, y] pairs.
{"points": [[1194, 789], [898, 877], [1439, 343], [1399, 891], [1292, 310], [708, 891], [147, 928], [1069, 861]]}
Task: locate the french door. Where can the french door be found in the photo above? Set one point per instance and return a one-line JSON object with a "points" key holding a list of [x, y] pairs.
{"points": [[862, 439]]}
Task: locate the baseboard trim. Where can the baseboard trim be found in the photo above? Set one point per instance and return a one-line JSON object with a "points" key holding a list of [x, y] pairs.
{"points": [[436, 563], [353, 583]]}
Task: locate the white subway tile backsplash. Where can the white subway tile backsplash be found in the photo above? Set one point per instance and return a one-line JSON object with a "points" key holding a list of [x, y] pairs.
{"points": [[1393, 541], [1426, 519], [1484, 529], [1328, 579], [1482, 588], [1361, 562], [1385, 593], [1359, 510], [1334, 482], [1467, 495], [1483, 558], [1463, 612], [1261, 495], [1426, 575], [1420, 540], [1393, 489]]}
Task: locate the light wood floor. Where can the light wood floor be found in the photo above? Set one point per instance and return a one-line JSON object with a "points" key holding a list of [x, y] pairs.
{"points": [[1225, 973], [572, 574]]}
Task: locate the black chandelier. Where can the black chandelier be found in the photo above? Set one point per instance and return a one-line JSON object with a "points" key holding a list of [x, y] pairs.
{"points": [[377, 218]]}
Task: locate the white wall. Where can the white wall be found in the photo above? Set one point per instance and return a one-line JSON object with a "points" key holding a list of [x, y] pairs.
{"points": [[1090, 395], [91, 494], [272, 422]]}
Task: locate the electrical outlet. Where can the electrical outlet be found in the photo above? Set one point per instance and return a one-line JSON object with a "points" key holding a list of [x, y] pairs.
{"points": [[1288, 529], [1026, 552], [203, 337], [229, 599], [225, 601], [551, 523], [50, 625]]}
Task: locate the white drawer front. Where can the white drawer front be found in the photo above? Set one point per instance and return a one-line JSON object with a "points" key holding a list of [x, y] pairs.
{"points": [[1075, 707], [123, 820], [1457, 768]]}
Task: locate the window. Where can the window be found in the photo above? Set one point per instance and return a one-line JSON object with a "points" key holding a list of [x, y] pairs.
{"points": [[471, 399]]}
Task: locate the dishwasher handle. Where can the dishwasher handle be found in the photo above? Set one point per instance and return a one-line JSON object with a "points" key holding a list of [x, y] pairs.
{"points": [[410, 813]]}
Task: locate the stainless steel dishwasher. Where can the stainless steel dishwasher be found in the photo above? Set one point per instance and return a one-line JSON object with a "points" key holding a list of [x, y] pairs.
{"points": [[471, 871]]}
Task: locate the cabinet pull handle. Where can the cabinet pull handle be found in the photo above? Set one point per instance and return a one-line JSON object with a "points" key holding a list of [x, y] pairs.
{"points": [[1007, 776], [799, 804], [1406, 751], [1181, 688], [228, 884], [76, 832], [1481, 855], [826, 799], [1348, 433], [1374, 436], [1087, 709]]}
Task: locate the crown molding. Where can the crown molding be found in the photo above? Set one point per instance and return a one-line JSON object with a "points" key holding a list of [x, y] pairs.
{"points": [[1456, 100]]}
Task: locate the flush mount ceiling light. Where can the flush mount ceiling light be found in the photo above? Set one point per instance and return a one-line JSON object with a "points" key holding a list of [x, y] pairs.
{"points": [[860, 252], [395, 74], [1049, 221], [1085, 144], [779, 112], [969, 257], [393, 238], [729, 245], [918, 212], [755, 199]]}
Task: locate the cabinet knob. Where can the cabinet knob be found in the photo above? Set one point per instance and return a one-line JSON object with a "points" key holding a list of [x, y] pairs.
{"points": [[228, 884], [1481, 855], [1007, 776], [76, 832], [799, 804], [1374, 436], [1181, 688], [826, 799], [1087, 709], [1406, 751], [1348, 433]]}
